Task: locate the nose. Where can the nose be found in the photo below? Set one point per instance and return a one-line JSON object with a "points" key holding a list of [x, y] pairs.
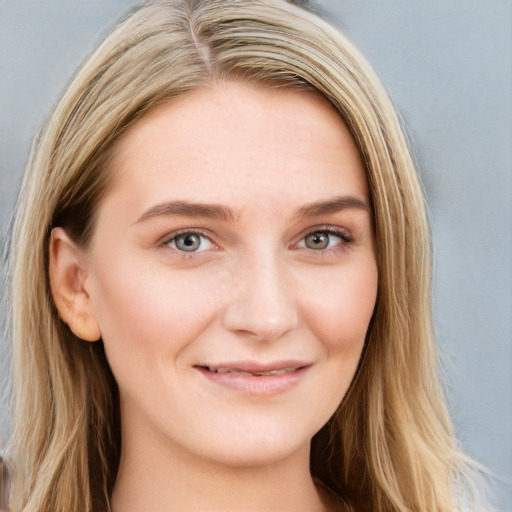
{"points": [[262, 305]]}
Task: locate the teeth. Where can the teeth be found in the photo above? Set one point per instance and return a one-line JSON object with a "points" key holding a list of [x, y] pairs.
{"points": [[227, 370], [282, 371]]}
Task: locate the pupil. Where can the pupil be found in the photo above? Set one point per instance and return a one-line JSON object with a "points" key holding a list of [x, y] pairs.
{"points": [[188, 242], [317, 240]]}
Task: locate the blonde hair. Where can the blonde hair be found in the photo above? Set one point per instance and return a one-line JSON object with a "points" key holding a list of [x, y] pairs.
{"points": [[389, 446]]}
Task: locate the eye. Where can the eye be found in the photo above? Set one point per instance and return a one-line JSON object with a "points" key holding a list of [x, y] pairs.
{"points": [[323, 239], [190, 242]]}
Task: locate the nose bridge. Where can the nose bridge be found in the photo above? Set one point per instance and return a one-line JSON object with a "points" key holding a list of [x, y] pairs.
{"points": [[263, 302]]}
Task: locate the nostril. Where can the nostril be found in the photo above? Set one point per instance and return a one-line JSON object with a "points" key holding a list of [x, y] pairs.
{"points": [[259, 327], [262, 306]]}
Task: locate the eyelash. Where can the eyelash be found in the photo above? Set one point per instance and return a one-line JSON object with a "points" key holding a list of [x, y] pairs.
{"points": [[173, 236], [345, 237], [343, 234]]}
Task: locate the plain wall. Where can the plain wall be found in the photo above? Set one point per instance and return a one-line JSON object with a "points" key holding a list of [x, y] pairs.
{"points": [[448, 68]]}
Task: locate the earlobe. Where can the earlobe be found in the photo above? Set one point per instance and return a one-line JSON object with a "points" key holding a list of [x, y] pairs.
{"points": [[68, 272]]}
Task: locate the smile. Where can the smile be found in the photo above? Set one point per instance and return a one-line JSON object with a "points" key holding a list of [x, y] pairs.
{"points": [[269, 373], [256, 379]]}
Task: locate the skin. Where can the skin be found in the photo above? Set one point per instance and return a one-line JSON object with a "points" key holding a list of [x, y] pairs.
{"points": [[256, 290]]}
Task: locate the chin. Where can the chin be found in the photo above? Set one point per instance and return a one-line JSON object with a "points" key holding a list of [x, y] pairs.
{"points": [[257, 456], [258, 447]]}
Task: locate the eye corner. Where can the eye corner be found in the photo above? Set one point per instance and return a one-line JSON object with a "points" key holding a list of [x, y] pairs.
{"points": [[320, 238], [187, 242]]}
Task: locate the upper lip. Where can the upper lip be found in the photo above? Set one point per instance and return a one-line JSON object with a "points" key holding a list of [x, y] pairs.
{"points": [[255, 367]]}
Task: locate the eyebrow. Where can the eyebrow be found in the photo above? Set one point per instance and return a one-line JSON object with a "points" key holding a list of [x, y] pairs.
{"points": [[190, 209], [217, 211], [333, 205]]}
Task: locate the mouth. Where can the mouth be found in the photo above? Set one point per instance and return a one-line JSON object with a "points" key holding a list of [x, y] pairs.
{"points": [[262, 373], [256, 379]]}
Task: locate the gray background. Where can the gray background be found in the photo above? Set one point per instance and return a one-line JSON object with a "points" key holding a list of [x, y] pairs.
{"points": [[448, 67]]}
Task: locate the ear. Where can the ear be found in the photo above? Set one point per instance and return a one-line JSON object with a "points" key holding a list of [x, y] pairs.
{"points": [[68, 272]]}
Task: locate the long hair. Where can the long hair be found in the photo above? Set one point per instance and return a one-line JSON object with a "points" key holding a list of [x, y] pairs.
{"points": [[389, 446]]}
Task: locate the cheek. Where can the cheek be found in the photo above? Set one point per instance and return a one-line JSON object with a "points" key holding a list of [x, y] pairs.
{"points": [[338, 312], [340, 307], [148, 318]]}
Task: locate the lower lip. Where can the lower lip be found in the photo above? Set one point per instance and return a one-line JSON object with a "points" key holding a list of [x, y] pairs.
{"points": [[264, 385]]}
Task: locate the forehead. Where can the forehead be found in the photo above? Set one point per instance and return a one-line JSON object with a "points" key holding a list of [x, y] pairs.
{"points": [[231, 140]]}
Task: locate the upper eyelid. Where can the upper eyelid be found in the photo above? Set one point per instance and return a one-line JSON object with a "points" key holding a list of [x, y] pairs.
{"points": [[329, 228], [342, 233], [193, 231]]}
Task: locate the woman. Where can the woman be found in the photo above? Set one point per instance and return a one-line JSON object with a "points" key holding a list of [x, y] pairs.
{"points": [[220, 279]]}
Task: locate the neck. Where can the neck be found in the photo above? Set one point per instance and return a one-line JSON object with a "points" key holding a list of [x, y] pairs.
{"points": [[161, 478]]}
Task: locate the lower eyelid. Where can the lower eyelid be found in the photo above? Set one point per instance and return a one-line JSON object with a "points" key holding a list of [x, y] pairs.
{"points": [[342, 235], [171, 238]]}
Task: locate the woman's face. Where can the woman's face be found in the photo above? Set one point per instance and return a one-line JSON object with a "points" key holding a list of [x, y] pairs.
{"points": [[232, 273]]}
